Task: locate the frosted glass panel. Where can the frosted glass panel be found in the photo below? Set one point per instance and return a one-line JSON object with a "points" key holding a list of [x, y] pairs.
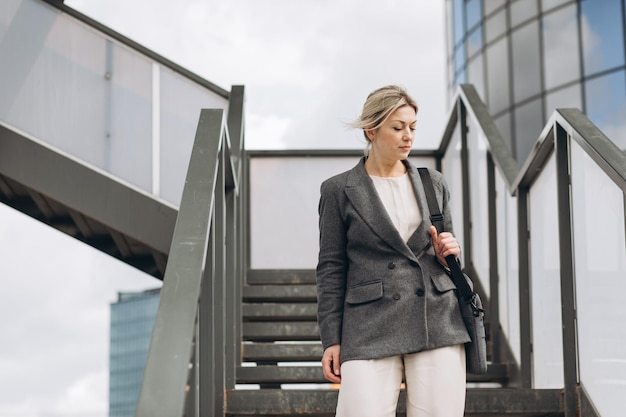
{"points": [[479, 209], [545, 281], [284, 197], [451, 167], [508, 264], [600, 262], [181, 101], [83, 93]]}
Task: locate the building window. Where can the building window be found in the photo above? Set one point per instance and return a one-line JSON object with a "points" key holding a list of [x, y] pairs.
{"points": [[605, 99], [526, 68], [602, 35], [561, 60]]}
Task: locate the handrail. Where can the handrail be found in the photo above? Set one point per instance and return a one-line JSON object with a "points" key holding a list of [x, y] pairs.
{"points": [[564, 127], [201, 276]]}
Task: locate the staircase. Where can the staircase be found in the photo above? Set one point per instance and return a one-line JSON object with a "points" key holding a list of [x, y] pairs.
{"points": [[280, 336]]}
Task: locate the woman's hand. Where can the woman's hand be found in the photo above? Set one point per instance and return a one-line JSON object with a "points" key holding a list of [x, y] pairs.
{"points": [[445, 244], [330, 364]]}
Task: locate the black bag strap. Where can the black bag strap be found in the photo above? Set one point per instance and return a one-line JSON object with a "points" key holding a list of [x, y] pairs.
{"points": [[436, 218]]}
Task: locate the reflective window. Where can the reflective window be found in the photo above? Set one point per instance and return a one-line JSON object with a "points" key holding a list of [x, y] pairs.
{"points": [[459, 29], [565, 98], [528, 125], [526, 70], [475, 42], [549, 4], [495, 26], [492, 5], [522, 10], [560, 45], [461, 77], [459, 58], [602, 35], [498, 76], [476, 76], [606, 105], [473, 13]]}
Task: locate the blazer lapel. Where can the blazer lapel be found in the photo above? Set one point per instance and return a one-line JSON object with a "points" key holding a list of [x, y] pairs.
{"points": [[364, 198]]}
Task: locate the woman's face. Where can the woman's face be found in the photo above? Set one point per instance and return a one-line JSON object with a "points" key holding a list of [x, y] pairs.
{"points": [[392, 141]]}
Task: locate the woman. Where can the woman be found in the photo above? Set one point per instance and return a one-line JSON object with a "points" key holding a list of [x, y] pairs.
{"points": [[387, 309]]}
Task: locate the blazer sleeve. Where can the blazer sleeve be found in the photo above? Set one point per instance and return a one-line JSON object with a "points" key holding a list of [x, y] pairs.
{"points": [[332, 265]]}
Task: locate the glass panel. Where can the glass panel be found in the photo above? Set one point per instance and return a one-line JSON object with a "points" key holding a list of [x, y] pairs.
{"points": [[565, 98], [526, 70], [508, 264], [100, 106], [498, 76], [181, 102], [495, 26], [476, 76], [475, 42], [451, 168], [459, 57], [473, 13], [492, 5], [522, 10], [284, 196], [602, 35], [460, 78], [606, 105], [528, 126], [459, 29], [545, 281], [549, 4], [600, 262], [477, 146], [560, 46]]}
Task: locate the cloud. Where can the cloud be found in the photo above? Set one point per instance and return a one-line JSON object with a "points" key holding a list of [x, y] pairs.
{"points": [[55, 308]]}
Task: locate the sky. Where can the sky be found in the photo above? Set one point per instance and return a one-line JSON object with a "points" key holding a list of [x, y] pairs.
{"points": [[307, 66]]}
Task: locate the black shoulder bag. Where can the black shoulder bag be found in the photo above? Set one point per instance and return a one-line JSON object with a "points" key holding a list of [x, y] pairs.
{"points": [[469, 301]]}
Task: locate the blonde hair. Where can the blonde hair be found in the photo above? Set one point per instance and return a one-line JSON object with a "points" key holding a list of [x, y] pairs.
{"points": [[380, 104]]}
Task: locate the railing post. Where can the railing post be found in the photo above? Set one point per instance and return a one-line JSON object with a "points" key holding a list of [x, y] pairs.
{"points": [[467, 218], [566, 254], [524, 288], [494, 284], [219, 286], [235, 240], [206, 343]]}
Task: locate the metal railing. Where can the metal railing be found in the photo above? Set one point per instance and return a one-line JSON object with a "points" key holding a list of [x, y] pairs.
{"points": [[531, 231], [193, 351]]}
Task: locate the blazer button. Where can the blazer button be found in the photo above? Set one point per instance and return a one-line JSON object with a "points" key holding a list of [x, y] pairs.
{"points": [[396, 296], [420, 292], [391, 265]]}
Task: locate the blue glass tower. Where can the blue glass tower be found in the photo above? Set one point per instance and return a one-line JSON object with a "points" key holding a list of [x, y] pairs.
{"points": [[132, 320], [528, 57]]}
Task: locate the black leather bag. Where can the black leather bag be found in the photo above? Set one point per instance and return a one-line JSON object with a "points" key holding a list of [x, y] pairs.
{"points": [[469, 301]]}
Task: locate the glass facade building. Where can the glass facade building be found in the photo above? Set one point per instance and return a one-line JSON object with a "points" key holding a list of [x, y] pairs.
{"points": [[132, 320], [529, 57]]}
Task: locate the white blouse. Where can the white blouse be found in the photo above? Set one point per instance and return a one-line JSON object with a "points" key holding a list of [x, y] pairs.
{"points": [[399, 199]]}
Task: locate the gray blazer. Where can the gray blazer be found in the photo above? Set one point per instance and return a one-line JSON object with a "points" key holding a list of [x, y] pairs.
{"points": [[379, 296]]}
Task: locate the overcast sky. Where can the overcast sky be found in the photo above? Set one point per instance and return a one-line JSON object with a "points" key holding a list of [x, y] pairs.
{"points": [[307, 66]]}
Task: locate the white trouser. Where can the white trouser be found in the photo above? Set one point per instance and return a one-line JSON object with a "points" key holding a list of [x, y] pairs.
{"points": [[435, 384]]}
